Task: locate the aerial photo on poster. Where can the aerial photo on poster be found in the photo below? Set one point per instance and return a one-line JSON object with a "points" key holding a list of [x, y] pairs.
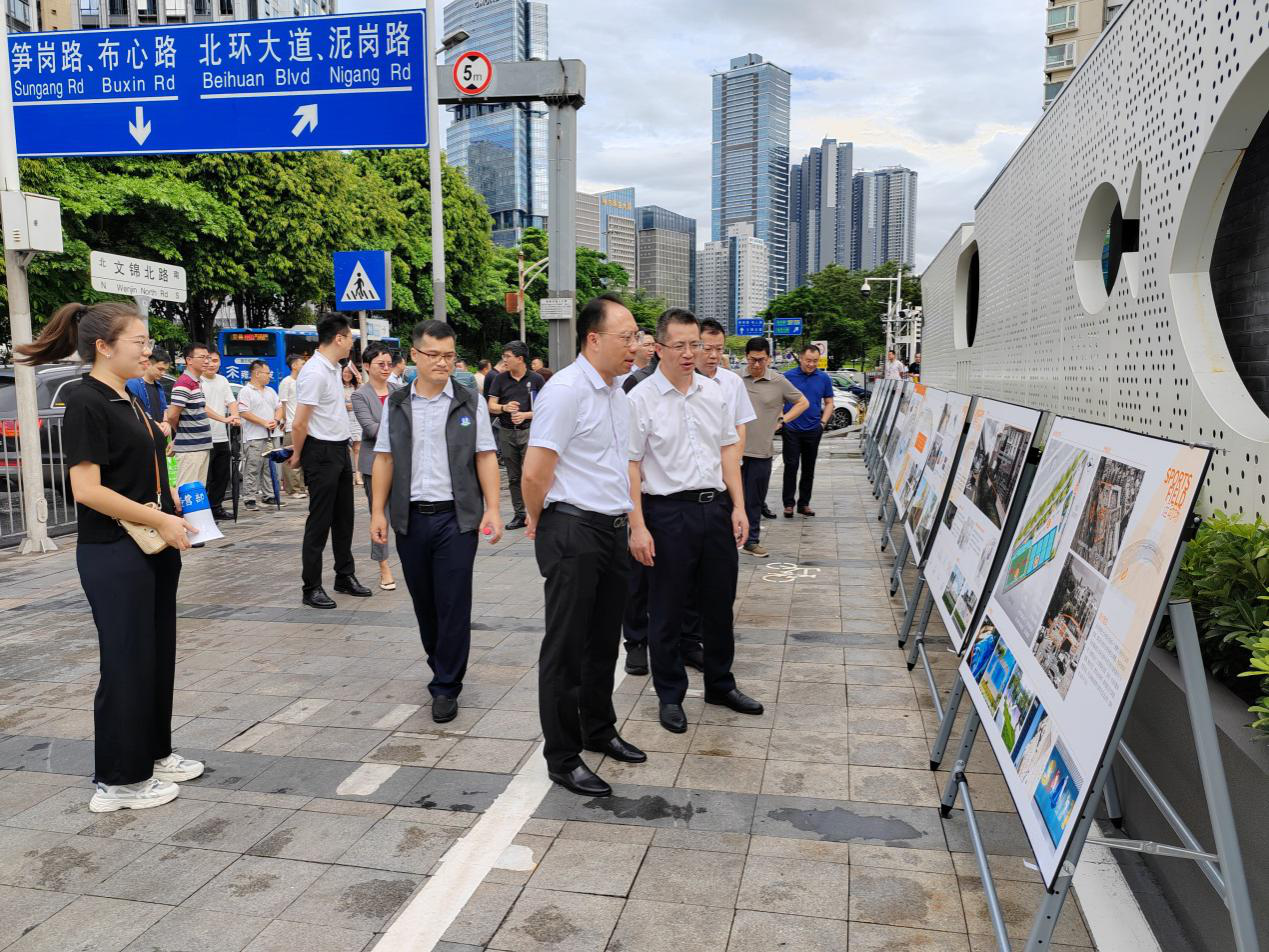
{"points": [[907, 474], [979, 497], [1067, 623], [897, 417], [923, 508], [905, 426]]}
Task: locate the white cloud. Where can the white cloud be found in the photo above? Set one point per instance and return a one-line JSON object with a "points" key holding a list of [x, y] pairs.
{"points": [[949, 89]]}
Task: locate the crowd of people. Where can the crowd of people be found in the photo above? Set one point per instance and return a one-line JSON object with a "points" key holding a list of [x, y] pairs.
{"points": [[639, 471]]}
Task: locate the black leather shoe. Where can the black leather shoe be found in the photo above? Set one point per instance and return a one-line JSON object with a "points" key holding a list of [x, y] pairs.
{"points": [[517, 522], [738, 702], [582, 781], [220, 515], [619, 749], [694, 658], [348, 585], [673, 719], [768, 512], [637, 659], [444, 709], [317, 598]]}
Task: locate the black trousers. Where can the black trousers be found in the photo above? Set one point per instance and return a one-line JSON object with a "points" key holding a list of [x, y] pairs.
{"points": [[587, 568], [218, 474], [437, 560], [801, 448], [513, 443], [133, 599], [328, 475], [755, 474], [695, 564], [634, 625]]}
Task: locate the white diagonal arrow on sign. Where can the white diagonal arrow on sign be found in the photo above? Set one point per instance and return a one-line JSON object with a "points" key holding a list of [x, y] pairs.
{"points": [[140, 129], [308, 118]]}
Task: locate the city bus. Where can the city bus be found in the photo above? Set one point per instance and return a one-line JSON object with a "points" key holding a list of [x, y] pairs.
{"points": [[240, 346]]}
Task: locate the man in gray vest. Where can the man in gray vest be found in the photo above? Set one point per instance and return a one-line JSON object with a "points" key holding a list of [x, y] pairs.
{"points": [[435, 461]]}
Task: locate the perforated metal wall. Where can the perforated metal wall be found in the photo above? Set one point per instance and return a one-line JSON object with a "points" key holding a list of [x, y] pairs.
{"points": [[1162, 111]]}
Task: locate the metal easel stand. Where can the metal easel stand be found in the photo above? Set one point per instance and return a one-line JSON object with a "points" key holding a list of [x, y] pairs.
{"points": [[1224, 868]]}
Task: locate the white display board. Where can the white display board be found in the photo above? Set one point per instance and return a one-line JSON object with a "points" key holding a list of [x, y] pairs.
{"points": [[924, 419], [895, 415], [877, 406], [978, 503], [1068, 621], [904, 420], [922, 506], [885, 409]]}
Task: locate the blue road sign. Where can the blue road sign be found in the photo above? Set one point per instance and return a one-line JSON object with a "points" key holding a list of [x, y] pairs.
{"points": [[786, 326], [329, 82], [363, 280], [749, 327]]}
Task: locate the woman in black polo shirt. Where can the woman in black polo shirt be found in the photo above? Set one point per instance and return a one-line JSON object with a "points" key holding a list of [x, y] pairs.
{"points": [[115, 455]]}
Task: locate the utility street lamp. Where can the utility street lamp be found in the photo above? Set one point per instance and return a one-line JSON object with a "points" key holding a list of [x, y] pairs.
{"points": [[536, 270]]}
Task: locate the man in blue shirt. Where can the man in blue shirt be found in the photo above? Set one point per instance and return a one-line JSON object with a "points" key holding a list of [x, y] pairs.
{"points": [[802, 434]]}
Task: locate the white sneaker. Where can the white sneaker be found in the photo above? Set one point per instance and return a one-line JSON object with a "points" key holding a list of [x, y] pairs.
{"points": [[174, 768], [133, 796]]}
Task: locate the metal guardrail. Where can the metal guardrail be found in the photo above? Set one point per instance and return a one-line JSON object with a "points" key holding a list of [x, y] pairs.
{"points": [[57, 490]]}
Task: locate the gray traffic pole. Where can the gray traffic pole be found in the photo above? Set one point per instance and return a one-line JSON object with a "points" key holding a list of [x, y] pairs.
{"points": [[34, 505], [434, 174], [562, 228]]}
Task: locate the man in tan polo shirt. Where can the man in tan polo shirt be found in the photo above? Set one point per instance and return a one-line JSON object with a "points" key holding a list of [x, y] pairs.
{"points": [[768, 392]]}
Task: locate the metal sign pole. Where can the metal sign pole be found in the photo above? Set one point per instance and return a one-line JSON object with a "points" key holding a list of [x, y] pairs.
{"points": [[434, 171], [562, 228]]}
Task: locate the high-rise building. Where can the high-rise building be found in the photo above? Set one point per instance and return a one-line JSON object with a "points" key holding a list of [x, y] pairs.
{"points": [[667, 255], [820, 220], [97, 14], [588, 221], [1071, 28], [617, 228], [883, 209], [502, 148], [750, 179], [732, 277]]}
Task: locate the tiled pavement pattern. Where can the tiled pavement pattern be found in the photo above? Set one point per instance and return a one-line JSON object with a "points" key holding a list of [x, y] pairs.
{"points": [[331, 796]]}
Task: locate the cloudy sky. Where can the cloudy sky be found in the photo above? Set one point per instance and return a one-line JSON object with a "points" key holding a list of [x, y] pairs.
{"points": [[948, 89]]}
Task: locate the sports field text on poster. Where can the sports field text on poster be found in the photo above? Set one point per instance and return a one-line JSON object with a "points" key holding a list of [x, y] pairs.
{"points": [[930, 485], [1067, 622], [921, 436]]}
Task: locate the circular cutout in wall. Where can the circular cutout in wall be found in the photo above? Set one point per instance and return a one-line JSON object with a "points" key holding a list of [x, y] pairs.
{"points": [[1108, 245], [965, 301]]}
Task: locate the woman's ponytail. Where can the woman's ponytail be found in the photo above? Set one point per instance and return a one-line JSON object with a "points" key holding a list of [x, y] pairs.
{"points": [[76, 328]]}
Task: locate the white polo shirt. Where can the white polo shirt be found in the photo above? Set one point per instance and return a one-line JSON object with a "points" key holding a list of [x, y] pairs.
{"points": [[678, 437], [585, 422], [734, 395], [430, 479], [895, 369], [318, 386]]}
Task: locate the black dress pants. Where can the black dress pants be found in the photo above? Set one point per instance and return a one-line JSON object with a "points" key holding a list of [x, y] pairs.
{"points": [[328, 475], [218, 474], [586, 566], [801, 448], [695, 564], [437, 560], [635, 624], [133, 600], [756, 475]]}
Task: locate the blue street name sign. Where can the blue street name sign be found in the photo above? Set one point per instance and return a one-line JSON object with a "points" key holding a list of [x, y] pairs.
{"points": [[330, 82], [786, 326], [749, 327], [363, 280]]}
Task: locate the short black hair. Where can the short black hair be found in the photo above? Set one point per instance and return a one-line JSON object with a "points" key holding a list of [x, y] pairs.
{"points": [[373, 351], [437, 330], [292, 358], [484, 365], [593, 314], [516, 348], [330, 327], [810, 347], [254, 365], [192, 346], [159, 355], [757, 345], [711, 326], [674, 315], [398, 357]]}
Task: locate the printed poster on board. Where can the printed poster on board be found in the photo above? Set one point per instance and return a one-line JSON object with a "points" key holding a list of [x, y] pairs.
{"points": [[925, 418], [896, 416], [904, 425], [877, 404], [922, 507], [1068, 620], [978, 503]]}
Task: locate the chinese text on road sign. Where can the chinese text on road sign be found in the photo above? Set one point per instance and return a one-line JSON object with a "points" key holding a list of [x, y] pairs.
{"points": [[115, 274]]}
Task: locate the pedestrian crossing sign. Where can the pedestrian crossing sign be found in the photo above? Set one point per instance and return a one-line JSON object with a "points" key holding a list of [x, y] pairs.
{"points": [[363, 280]]}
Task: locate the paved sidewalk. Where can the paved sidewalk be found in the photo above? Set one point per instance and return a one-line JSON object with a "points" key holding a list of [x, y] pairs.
{"points": [[331, 797]]}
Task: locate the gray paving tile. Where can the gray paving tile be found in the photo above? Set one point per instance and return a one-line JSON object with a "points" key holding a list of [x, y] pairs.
{"points": [[481, 917], [282, 936], [339, 743], [1002, 833], [66, 811], [904, 897], [795, 886], [164, 874], [147, 826], [560, 921], [17, 797], [91, 924], [848, 822], [227, 770], [234, 827], [401, 845], [867, 937], [461, 790], [691, 876], [588, 867], [24, 909], [257, 886], [316, 837], [354, 898], [322, 778], [763, 931], [198, 930], [58, 861], [48, 754], [655, 806], [649, 926]]}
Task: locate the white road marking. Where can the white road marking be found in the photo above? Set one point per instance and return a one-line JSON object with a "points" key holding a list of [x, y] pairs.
{"points": [[366, 779], [518, 859], [395, 717], [1110, 909], [297, 712]]}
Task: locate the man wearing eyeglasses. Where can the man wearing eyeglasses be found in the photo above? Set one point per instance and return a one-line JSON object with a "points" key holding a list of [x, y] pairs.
{"points": [[688, 517], [769, 392], [577, 494], [511, 396], [434, 459]]}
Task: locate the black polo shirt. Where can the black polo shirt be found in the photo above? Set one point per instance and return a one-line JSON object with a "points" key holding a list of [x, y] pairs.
{"points": [[506, 389], [104, 428]]}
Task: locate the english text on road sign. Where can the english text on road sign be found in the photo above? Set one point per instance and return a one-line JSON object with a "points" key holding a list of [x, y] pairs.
{"points": [[363, 280], [329, 82], [136, 277], [786, 326], [555, 309], [472, 73], [749, 327]]}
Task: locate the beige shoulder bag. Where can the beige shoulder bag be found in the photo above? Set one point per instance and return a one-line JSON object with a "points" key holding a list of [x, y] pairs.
{"points": [[146, 537]]}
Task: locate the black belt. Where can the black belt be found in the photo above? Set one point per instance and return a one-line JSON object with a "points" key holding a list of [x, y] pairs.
{"points": [[594, 518], [313, 439], [701, 496], [430, 508]]}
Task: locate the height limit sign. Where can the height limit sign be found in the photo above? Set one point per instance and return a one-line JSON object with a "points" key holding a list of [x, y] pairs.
{"points": [[472, 73]]}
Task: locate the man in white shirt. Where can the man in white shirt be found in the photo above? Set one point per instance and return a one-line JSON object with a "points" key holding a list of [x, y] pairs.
{"points": [[261, 417], [688, 518], [219, 397], [320, 436], [576, 495], [895, 368], [293, 478]]}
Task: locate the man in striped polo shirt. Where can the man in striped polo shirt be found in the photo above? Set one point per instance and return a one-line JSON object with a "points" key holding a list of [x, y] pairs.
{"points": [[187, 414]]}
